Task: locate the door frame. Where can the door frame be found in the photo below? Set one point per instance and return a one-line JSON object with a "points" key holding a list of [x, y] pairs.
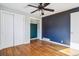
{"points": [[73, 43], [39, 27]]}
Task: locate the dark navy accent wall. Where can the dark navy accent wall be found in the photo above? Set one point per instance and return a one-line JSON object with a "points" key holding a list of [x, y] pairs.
{"points": [[57, 27]]}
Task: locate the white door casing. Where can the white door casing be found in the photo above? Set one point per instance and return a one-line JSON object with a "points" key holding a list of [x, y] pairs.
{"points": [[74, 42]]}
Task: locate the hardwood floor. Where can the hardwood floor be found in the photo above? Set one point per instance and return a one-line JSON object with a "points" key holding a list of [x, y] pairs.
{"points": [[35, 48]]}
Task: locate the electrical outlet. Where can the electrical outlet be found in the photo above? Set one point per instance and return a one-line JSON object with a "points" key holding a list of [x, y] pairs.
{"points": [[61, 41]]}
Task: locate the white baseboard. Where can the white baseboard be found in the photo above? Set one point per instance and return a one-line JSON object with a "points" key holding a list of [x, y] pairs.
{"points": [[34, 38], [17, 44], [57, 43], [74, 45]]}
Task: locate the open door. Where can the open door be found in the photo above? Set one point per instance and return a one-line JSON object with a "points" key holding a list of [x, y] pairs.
{"points": [[33, 30]]}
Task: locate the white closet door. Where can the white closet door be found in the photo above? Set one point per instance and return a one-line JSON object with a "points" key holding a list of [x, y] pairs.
{"points": [[6, 30], [74, 30], [19, 29]]}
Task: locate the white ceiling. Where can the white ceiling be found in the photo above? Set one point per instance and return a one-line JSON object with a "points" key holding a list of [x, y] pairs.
{"points": [[58, 7]]}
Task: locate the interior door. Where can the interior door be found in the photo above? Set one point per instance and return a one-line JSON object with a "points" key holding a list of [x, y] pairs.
{"points": [[33, 30], [19, 29], [74, 30], [6, 30]]}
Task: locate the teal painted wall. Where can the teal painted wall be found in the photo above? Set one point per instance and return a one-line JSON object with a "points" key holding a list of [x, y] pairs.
{"points": [[33, 30]]}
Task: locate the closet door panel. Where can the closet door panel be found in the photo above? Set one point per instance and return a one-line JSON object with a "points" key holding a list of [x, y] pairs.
{"points": [[6, 30], [19, 25]]}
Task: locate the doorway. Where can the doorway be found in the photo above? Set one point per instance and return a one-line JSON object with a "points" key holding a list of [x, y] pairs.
{"points": [[74, 30], [33, 30]]}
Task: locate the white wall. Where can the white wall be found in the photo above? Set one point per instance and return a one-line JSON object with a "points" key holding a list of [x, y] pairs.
{"points": [[19, 29], [27, 29], [0, 29], [6, 29], [74, 30], [40, 31], [14, 29]]}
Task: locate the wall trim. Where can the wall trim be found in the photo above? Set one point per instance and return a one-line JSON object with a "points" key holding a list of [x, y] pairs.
{"points": [[34, 38], [74, 45], [15, 45], [57, 43]]}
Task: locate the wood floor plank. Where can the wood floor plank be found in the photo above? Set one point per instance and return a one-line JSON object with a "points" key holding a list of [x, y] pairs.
{"points": [[35, 48]]}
